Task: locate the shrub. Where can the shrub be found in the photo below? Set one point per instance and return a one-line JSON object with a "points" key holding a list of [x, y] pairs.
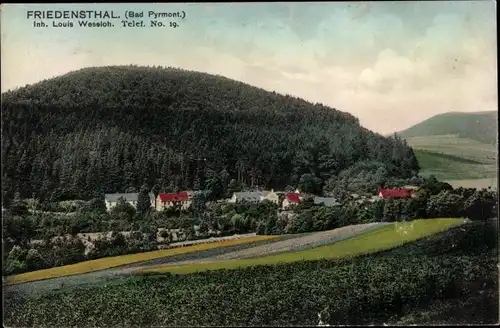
{"points": [[34, 261]]}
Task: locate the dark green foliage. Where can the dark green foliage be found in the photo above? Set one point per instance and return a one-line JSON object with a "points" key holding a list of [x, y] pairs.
{"points": [[18, 206], [363, 291], [366, 177], [198, 206], [480, 205], [110, 129], [308, 183], [433, 186], [96, 205], [123, 210], [18, 230], [144, 201], [445, 204]]}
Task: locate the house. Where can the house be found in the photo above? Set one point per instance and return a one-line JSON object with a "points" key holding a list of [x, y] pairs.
{"points": [[247, 196], [112, 199], [394, 193], [326, 201], [132, 198], [166, 200], [291, 199], [412, 188], [271, 196]]}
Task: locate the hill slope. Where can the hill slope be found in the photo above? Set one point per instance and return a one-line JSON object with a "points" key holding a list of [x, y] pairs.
{"points": [[479, 126], [457, 146], [112, 128]]}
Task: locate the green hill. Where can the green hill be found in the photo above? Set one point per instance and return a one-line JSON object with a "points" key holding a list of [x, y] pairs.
{"points": [[457, 147], [479, 126], [112, 129]]}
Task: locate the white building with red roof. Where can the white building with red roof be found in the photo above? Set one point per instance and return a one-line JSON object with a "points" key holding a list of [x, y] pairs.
{"points": [[291, 199], [385, 193], [166, 200]]}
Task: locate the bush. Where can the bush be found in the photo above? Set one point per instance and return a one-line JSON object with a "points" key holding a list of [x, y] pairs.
{"points": [[14, 267], [34, 260]]}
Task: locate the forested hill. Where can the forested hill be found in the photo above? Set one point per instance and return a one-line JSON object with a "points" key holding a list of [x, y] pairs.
{"points": [[110, 129]]}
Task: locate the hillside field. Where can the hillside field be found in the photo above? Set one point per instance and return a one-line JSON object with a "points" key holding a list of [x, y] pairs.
{"points": [[449, 157], [457, 146], [386, 237], [337, 243]]}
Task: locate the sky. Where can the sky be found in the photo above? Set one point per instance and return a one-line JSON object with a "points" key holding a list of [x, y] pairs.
{"points": [[392, 64]]}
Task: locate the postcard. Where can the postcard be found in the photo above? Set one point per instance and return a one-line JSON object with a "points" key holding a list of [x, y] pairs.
{"points": [[249, 164]]}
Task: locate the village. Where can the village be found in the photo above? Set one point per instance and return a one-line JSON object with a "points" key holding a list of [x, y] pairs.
{"points": [[284, 200]]}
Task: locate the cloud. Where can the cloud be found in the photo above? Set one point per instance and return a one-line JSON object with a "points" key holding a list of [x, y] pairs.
{"points": [[388, 69], [392, 71]]}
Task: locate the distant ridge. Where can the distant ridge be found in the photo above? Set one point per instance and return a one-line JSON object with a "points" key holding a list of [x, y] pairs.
{"points": [[480, 126]]}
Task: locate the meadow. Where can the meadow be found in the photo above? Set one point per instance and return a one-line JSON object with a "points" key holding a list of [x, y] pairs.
{"points": [[449, 157]]}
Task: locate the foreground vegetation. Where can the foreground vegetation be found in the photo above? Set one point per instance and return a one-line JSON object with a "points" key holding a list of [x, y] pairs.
{"points": [[386, 287]]}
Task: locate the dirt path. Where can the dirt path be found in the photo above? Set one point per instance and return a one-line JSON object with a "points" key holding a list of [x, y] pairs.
{"points": [[294, 244]]}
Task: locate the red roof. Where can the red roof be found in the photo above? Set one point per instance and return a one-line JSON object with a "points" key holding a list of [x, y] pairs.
{"points": [[293, 198], [174, 197], [394, 192]]}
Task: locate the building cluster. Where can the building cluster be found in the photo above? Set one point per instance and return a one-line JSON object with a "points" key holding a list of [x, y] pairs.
{"points": [[184, 199]]}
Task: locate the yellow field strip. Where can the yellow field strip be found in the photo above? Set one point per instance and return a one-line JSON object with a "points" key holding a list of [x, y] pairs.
{"points": [[115, 261], [386, 237]]}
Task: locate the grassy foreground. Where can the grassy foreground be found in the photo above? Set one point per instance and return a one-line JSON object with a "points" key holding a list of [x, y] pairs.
{"points": [[116, 261], [381, 239]]}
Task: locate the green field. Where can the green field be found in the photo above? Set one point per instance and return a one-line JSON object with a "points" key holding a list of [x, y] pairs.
{"points": [[457, 146], [449, 157], [384, 238], [454, 145], [451, 167]]}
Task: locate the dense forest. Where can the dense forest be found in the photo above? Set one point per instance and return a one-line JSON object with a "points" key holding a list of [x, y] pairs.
{"points": [[113, 129]]}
